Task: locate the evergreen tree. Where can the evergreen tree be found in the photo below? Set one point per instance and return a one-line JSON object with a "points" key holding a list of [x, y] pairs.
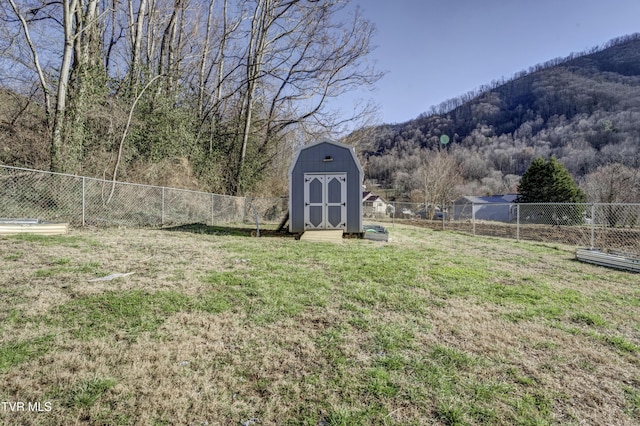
{"points": [[550, 182]]}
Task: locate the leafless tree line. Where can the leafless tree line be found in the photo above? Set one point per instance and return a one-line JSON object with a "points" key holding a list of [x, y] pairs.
{"points": [[228, 84]]}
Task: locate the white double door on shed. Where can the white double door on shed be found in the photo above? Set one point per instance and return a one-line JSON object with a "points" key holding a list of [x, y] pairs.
{"points": [[325, 201]]}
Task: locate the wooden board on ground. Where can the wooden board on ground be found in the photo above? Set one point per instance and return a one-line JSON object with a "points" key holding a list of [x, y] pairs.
{"points": [[323, 236]]}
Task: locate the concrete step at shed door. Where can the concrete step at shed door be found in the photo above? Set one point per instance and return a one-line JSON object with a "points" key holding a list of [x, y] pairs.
{"points": [[323, 236]]}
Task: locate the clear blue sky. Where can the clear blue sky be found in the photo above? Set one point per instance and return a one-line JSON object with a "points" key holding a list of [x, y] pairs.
{"points": [[434, 50]]}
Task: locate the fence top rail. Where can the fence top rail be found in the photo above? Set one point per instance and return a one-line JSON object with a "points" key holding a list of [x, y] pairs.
{"points": [[255, 198], [105, 181], [470, 203], [615, 204], [576, 204], [38, 171]]}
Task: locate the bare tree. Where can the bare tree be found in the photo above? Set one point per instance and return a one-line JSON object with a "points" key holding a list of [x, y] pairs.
{"points": [[249, 78], [612, 183], [81, 51], [441, 176], [263, 18], [44, 84], [299, 55]]}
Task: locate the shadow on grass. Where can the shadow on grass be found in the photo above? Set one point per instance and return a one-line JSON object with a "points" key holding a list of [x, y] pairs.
{"points": [[232, 231]]}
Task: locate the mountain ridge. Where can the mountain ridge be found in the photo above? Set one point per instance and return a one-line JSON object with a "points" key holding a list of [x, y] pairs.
{"points": [[583, 109]]}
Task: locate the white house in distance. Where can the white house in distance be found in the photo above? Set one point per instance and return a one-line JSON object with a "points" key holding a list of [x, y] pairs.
{"points": [[499, 208], [373, 205]]}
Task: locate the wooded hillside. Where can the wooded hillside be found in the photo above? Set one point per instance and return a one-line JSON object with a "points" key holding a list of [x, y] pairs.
{"points": [[583, 109], [194, 93]]}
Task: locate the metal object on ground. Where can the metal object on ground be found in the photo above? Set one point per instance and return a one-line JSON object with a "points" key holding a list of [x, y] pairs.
{"points": [[375, 233], [616, 260], [111, 277], [32, 226]]}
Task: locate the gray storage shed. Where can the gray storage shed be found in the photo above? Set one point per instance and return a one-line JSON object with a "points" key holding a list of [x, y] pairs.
{"points": [[325, 188]]}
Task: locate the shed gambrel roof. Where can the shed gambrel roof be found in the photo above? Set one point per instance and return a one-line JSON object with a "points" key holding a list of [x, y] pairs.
{"points": [[350, 148]]}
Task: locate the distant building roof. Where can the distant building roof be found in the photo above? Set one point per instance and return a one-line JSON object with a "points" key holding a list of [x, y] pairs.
{"points": [[370, 197], [489, 199]]}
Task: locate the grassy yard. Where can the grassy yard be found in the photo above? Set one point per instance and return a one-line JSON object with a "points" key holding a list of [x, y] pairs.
{"points": [[218, 328]]}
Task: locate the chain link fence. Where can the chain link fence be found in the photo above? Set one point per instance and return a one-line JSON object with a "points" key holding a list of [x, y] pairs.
{"points": [[85, 201], [82, 201], [611, 227]]}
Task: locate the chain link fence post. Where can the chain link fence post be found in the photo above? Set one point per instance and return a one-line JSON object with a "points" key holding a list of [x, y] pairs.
{"points": [[162, 209], [473, 217], [518, 222], [212, 211], [592, 242], [83, 201], [393, 215]]}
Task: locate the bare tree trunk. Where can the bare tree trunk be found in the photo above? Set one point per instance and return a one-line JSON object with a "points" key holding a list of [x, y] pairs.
{"points": [[137, 33], [151, 36], [176, 50], [167, 48], [260, 24], [204, 60], [221, 58], [59, 162], [113, 39], [86, 80]]}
